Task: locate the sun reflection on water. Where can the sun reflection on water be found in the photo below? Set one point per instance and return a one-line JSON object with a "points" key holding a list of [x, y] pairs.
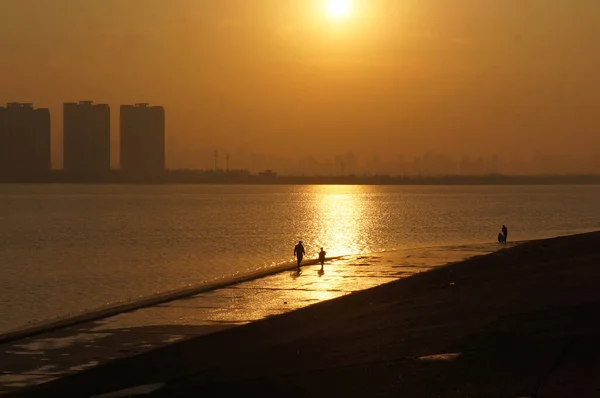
{"points": [[341, 219]]}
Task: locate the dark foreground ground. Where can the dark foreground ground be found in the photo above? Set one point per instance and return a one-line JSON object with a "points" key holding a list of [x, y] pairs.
{"points": [[523, 322]]}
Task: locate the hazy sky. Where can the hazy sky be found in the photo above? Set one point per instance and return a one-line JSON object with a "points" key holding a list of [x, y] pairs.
{"points": [[279, 76]]}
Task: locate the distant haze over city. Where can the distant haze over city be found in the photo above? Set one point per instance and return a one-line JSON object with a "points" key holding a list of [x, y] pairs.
{"points": [[390, 86]]}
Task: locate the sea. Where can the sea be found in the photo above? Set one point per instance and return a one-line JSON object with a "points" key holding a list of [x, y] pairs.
{"points": [[69, 249]]}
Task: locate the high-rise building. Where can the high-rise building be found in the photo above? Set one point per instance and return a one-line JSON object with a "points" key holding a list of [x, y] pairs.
{"points": [[24, 141], [86, 138], [142, 141]]}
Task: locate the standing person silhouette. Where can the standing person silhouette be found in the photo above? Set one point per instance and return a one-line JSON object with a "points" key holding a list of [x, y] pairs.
{"points": [[299, 253], [322, 254], [505, 232]]}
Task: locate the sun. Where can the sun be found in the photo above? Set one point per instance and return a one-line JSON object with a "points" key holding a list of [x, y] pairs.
{"points": [[339, 9]]}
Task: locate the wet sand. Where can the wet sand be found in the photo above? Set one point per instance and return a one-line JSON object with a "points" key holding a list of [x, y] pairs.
{"points": [[521, 322]]}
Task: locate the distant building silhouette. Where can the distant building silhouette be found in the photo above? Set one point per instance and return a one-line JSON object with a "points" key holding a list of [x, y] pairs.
{"points": [[86, 138], [24, 141], [267, 174], [142, 141]]}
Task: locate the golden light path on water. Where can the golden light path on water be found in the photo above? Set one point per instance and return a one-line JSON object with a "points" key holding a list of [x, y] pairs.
{"points": [[341, 218]]}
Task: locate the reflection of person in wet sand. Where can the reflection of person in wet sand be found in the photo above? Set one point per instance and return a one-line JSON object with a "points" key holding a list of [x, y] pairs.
{"points": [[299, 253], [322, 255]]}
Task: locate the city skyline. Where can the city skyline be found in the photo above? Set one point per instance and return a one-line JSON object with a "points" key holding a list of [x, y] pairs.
{"points": [[281, 78], [145, 126], [26, 135]]}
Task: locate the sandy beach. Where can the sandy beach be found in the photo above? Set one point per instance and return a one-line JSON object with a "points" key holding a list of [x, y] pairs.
{"points": [[521, 322]]}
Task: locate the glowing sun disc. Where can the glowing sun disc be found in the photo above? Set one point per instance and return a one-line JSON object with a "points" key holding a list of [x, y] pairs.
{"points": [[339, 9]]}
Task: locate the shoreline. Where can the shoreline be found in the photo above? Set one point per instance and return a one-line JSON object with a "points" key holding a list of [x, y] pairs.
{"points": [[512, 323], [66, 351], [159, 298], [36, 328]]}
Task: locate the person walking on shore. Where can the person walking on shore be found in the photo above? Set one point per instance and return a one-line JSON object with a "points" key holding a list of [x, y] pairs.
{"points": [[505, 232], [299, 253], [322, 255]]}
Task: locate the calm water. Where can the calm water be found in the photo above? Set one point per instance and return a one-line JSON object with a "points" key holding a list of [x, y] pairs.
{"points": [[68, 249]]}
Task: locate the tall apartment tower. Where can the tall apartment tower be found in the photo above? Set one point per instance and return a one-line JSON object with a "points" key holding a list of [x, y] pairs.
{"points": [[24, 141], [142, 141], [86, 138]]}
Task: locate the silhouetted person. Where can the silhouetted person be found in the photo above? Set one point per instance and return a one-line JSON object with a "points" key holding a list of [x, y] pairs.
{"points": [[505, 232], [299, 253], [500, 238], [322, 254]]}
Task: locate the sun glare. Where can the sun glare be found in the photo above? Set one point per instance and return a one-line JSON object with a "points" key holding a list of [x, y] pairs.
{"points": [[339, 9], [342, 213]]}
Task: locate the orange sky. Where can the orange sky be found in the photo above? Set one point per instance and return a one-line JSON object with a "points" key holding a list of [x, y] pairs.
{"points": [[276, 76]]}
